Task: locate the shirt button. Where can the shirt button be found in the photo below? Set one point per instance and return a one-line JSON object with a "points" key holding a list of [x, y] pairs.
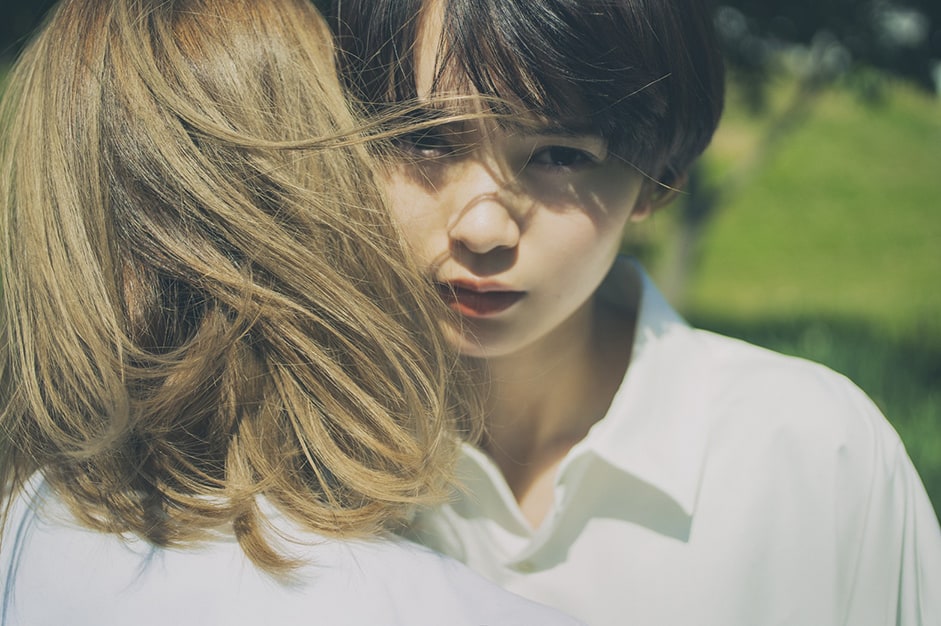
{"points": [[526, 567]]}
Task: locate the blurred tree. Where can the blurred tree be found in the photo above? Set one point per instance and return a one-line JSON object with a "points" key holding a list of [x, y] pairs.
{"points": [[901, 37], [19, 18]]}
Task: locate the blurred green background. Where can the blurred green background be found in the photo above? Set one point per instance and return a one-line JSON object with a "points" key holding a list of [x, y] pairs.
{"points": [[812, 225]]}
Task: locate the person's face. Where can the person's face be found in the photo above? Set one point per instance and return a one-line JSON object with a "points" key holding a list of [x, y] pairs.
{"points": [[517, 227]]}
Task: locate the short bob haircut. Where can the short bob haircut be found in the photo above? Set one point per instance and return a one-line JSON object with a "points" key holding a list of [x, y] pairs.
{"points": [[204, 300], [646, 74]]}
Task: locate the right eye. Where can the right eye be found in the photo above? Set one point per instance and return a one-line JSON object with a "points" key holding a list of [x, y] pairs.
{"points": [[426, 144], [561, 157]]}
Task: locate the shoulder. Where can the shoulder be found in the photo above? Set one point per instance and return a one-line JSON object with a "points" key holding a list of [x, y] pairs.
{"points": [[103, 579], [107, 580], [827, 466], [787, 425], [733, 393], [766, 422], [754, 388], [427, 587]]}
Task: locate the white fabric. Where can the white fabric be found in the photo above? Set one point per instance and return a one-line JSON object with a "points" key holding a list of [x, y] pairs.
{"points": [[53, 573], [727, 486]]}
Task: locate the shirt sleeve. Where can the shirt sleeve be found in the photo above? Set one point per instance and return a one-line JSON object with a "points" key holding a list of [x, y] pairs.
{"points": [[895, 540], [920, 561]]}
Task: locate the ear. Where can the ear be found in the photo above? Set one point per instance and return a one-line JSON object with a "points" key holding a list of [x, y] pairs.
{"points": [[656, 195]]}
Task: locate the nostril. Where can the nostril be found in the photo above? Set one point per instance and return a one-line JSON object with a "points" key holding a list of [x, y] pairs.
{"points": [[492, 262]]}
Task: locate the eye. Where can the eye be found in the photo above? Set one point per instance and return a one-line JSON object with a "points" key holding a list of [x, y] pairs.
{"points": [[427, 144], [561, 157]]}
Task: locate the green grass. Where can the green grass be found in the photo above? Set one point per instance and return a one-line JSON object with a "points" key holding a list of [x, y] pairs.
{"points": [[831, 250], [843, 220]]}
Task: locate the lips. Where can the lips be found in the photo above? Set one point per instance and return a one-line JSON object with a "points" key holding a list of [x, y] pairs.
{"points": [[478, 300]]}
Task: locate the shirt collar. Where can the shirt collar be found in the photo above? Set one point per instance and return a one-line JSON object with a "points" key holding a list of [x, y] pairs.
{"points": [[656, 428]]}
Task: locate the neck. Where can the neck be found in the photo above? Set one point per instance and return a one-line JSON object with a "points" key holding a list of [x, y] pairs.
{"points": [[544, 399]]}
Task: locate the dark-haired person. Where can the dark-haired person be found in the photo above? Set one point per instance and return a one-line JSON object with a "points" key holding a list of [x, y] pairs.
{"points": [[221, 375], [634, 470]]}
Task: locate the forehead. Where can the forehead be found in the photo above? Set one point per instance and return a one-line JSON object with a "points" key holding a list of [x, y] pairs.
{"points": [[429, 47]]}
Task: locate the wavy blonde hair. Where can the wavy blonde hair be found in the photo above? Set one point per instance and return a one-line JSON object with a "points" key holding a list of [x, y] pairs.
{"points": [[203, 297]]}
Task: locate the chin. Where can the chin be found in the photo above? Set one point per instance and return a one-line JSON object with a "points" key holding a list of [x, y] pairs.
{"points": [[483, 342]]}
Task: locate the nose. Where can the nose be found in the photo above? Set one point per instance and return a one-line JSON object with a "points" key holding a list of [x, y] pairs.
{"points": [[485, 225], [487, 216]]}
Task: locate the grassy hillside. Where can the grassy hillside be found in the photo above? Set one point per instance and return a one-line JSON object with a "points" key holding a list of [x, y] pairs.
{"points": [[844, 219]]}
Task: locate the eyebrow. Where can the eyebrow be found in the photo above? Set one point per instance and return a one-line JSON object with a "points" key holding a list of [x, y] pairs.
{"points": [[438, 113], [431, 116], [427, 113], [564, 129], [558, 129]]}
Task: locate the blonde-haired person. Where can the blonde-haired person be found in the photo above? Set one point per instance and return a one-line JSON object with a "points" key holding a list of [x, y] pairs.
{"points": [[221, 379]]}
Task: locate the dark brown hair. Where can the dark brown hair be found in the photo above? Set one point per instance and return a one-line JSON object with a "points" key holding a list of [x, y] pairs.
{"points": [[646, 74]]}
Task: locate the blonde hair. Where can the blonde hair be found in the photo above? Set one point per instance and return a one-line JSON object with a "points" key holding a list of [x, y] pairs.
{"points": [[203, 297]]}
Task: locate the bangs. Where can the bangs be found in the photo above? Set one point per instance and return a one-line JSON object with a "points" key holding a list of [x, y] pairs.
{"points": [[558, 61]]}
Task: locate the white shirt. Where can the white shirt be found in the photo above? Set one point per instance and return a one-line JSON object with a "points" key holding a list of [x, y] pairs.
{"points": [[54, 573], [727, 486]]}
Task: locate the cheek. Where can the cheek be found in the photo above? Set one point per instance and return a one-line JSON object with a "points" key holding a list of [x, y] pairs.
{"points": [[416, 212], [612, 193], [578, 252], [595, 230], [407, 202]]}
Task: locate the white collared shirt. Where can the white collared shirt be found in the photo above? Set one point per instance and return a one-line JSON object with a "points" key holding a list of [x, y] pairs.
{"points": [[727, 486], [56, 573]]}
